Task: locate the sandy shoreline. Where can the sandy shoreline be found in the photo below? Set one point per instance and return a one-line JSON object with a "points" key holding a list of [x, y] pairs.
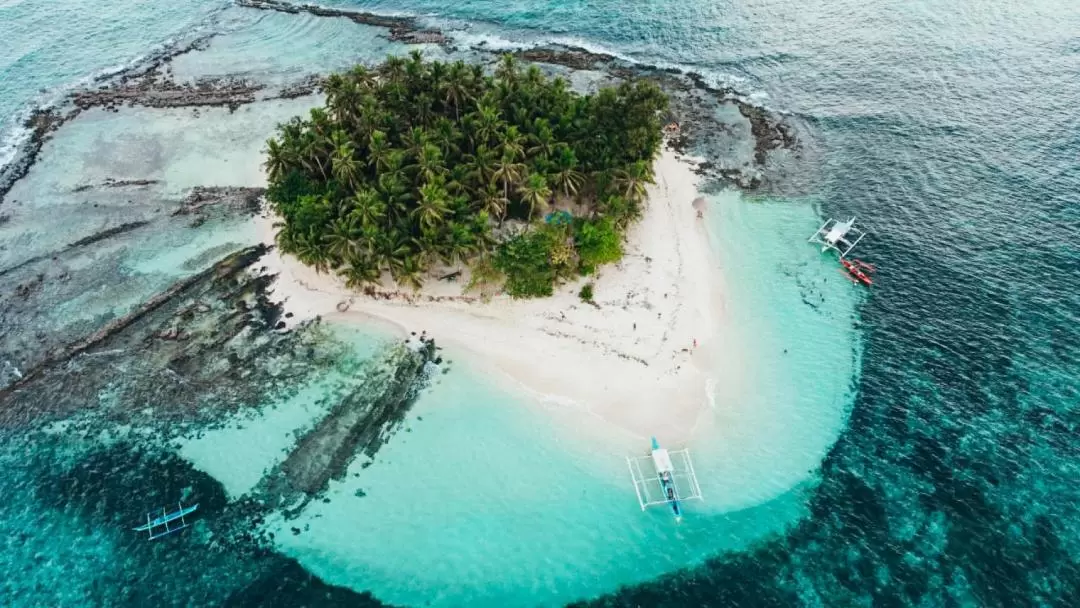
{"points": [[631, 361]]}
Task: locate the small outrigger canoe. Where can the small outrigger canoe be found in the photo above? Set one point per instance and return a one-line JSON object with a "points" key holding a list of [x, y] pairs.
{"points": [[163, 523], [858, 271]]}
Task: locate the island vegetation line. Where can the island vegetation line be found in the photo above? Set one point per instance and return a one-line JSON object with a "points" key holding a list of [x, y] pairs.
{"points": [[413, 164]]}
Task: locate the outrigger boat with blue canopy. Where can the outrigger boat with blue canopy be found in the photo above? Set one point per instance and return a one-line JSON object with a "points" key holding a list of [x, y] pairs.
{"points": [[164, 523], [674, 481]]}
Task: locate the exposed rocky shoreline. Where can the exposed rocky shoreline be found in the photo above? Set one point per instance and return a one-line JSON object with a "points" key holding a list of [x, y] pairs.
{"points": [[401, 29], [771, 130], [149, 84]]}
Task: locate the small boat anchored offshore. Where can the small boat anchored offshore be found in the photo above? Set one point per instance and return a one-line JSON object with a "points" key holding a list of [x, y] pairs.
{"points": [[842, 237], [674, 481], [163, 523], [858, 271]]}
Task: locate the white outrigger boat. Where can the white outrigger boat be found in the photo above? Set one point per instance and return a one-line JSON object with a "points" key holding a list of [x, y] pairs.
{"points": [[837, 235], [842, 237], [163, 524], [673, 481]]}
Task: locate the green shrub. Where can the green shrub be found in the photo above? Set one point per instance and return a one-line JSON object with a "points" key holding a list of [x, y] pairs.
{"points": [[586, 293], [597, 242], [535, 260]]}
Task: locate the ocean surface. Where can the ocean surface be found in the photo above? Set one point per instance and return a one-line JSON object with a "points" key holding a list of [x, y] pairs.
{"points": [[915, 444]]}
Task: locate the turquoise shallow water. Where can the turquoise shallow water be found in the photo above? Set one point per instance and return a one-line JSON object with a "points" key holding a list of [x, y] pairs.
{"points": [[953, 480]]}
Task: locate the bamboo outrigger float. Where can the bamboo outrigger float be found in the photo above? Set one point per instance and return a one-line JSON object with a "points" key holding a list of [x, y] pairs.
{"points": [[163, 524], [672, 483]]}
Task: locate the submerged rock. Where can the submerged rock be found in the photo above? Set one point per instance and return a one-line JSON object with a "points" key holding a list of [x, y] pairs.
{"points": [[359, 424]]}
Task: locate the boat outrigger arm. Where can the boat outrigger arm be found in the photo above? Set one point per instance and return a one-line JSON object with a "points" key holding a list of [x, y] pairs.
{"points": [[837, 235], [673, 481], [162, 524]]}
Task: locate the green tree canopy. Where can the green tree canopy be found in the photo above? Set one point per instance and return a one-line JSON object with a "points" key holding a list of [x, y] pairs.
{"points": [[413, 163]]}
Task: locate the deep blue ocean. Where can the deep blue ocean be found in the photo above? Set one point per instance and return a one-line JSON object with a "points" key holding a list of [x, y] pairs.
{"points": [[953, 130]]}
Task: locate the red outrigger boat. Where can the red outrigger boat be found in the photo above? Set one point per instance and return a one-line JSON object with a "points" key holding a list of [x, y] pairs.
{"points": [[858, 271]]}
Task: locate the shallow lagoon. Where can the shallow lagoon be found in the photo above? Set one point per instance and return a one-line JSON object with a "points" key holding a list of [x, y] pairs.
{"points": [[490, 497]]}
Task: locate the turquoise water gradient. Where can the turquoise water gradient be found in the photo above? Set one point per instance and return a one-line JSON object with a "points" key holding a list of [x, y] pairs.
{"points": [[914, 446], [486, 497], [489, 498]]}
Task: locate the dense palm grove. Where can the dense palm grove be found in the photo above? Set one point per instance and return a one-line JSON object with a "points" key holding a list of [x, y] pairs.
{"points": [[415, 163]]}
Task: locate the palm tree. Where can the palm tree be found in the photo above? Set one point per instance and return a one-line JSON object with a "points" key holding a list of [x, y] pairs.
{"points": [[487, 124], [507, 70], [454, 88], [446, 135], [345, 167], [341, 97], [566, 177], [390, 249], [368, 207], [407, 273], [415, 140], [482, 164], [340, 239], [429, 165], [394, 165], [422, 108], [378, 150], [313, 254], [493, 202], [543, 139], [312, 151], [433, 204], [277, 160], [360, 270], [362, 76], [631, 180], [396, 194], [508, 173], [535, 192], [460, 244], [513, 142], [393, 68]]}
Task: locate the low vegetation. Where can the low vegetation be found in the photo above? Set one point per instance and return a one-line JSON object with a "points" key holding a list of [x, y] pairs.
{"points": [[414, 163]]}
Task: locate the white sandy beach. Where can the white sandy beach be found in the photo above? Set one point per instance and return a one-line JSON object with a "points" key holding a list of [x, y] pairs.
{"points": [[630, 360]]}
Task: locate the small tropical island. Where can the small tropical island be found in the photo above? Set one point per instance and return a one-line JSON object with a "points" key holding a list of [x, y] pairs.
{"points": [[415, 164]]}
